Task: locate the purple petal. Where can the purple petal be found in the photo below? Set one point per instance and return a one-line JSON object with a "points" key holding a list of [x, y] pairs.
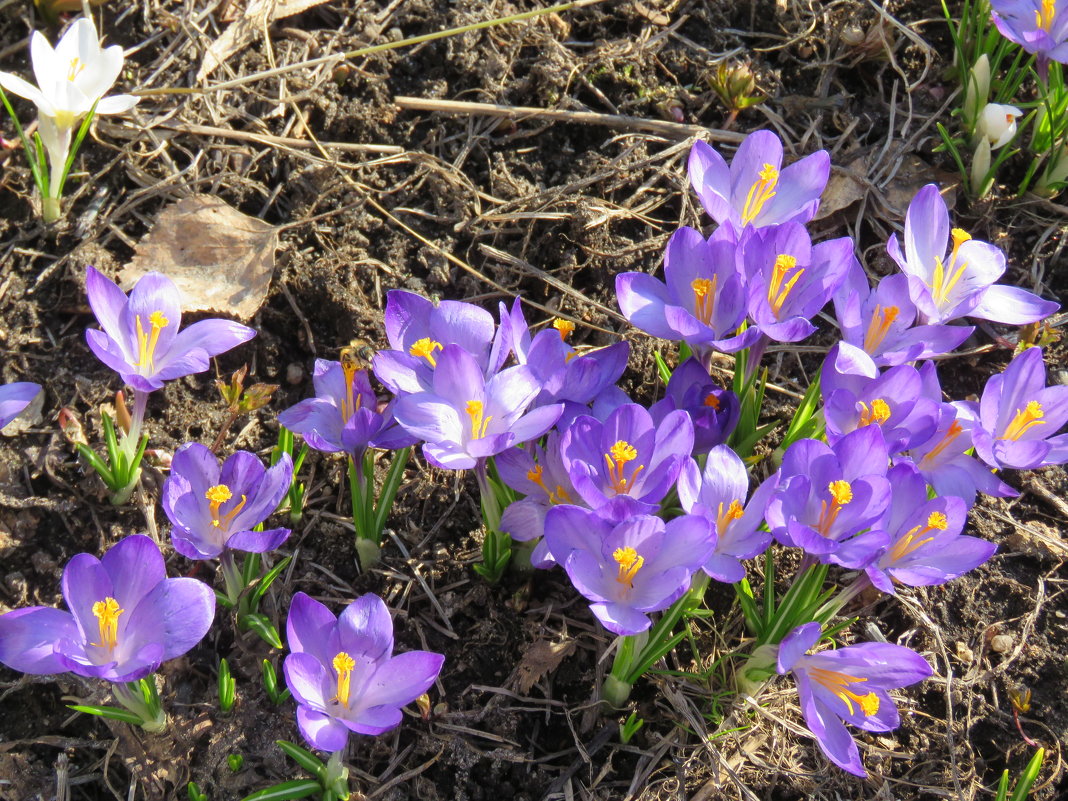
{"points": [[14, 398], [620, 619], [795, 644], [1012, 306], [321, 731], [258, 541], [366, 628], [177, 613], [28, 638], [107, 301], [402, 679], [711, 180], [311, 628]]}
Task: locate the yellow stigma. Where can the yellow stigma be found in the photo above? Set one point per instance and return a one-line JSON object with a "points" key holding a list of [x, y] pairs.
{"points": [[616, 459], [955, 430], [936, 521], [146, 343], [76, 67], [841, 494], [760, 193], [107, 615], [218, 495], [881, 320], [704, 298], [878, 413], [565, 327], [945, 278], [424, 349], [724, 517], [780, 286], [838, 683], [1026, 418], [1044, 16], [343, 665], [349, 368], [478, 423], [712, 401], [629, 564]]}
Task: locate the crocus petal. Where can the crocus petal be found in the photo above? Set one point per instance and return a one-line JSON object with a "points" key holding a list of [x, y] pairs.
{"points": [[136, 568], [795, 644], [28, 637], [1012, 306], [321, 731], [258, 541], [14, 398], [307, 678], [116, 104], [643, 301], [926, 233], [107, 301], [366, 627], [212, 337], [309, 627], [177, 613], [620, 619], [710, 178], [22, 88], [402, 679]]}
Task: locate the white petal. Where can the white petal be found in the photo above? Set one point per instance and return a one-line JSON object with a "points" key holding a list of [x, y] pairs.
{"points": [[116, 104], [44, 60]]}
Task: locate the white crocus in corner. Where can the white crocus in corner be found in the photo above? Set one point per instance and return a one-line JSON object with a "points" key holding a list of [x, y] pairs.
{"points": [[997, 123], [71, 79]]}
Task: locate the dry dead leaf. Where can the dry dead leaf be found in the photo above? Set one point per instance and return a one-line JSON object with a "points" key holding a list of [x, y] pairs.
{"points": [[847, 184], [220, 259], [247, 26], [539, 659]]}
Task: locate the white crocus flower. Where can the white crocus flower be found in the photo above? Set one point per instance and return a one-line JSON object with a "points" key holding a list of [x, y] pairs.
{"points": [[70, 79], [997, 123]]}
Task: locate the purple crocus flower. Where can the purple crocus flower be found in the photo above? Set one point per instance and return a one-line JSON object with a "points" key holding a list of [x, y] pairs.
{"points": [[418, 331], [126, 618], [215, 509], [943, 459], [343, 416], [847, 685], [827, 495], [465, 419], [717, 495], [629, 568], [878, 327], [342, 672], [754, 190], [790, 279], [893, 400], [926, 546], [14, 398], [1019, 417], [713, 410], [139, 337], [1038, 26], [945, 286], [627, 454], [702, 300]]}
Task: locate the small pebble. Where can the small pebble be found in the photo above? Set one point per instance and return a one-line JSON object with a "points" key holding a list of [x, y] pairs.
{"points": [[964, 653], [294, 374], [1000, 643]]}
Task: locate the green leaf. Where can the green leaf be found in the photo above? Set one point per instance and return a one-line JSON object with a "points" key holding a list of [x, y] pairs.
{"points": [[305, 758], [113, 712], [661, 367], [227, 687], [1029, 776], [263, 627], [300, 788], [267, 580], [390, 487]]}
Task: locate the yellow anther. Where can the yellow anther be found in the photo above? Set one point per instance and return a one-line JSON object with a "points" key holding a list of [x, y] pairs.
{"points": [[724, 517], [945, 278], [760, 193], [840, 491], [565, 327], [343, 665], [424, 349], [839, 683], [146, 343], [107, 616], [1044, 16], [218, 495], [704, 298], [629, 564], [881, 320], [841, 494], [1026, 418], [878, 413], [617, 458], [780, 286], [76, 67], [479, 424], [349, 367], [937, 520]]}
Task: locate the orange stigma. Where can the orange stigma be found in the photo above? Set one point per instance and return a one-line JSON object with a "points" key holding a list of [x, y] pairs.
{"points": [[841, 494], [881, 320], [724, 517], [565, 327], [945, 278], [616, 459], [218, 495], [878, 413], [1026, 418], [479, 424], [839, 683], [936, 521], [704, 298], [1044, 15], [954, 431]]}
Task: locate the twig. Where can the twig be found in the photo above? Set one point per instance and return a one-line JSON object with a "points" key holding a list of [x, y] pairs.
{"points": [[673, 129], [280, 141]]}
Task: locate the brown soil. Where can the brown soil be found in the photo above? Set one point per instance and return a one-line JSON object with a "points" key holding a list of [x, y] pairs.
{"points": [[479, 208]]}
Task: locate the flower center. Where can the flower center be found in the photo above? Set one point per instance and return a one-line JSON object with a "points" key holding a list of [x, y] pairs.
{"points": [[616, 459], [841, 494], [565, 327], [881, 320], [343, 665], [954, 431], [878, 413], [557, 496], [629, 564], [1044, 16], [1026, 418], [107, 617], [479, 424], [838, 683], [760, 193], [936, 521], [146, 343], [218, 495], [780, 285], [349, 367], [424, 349], [704, 298], [712, 401], [76, 67], [725, 517], [945, 278]]}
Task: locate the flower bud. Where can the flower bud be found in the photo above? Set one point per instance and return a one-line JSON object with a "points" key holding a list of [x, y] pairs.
{"points": [[980, 167], [976, 92], [997, 123]]}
